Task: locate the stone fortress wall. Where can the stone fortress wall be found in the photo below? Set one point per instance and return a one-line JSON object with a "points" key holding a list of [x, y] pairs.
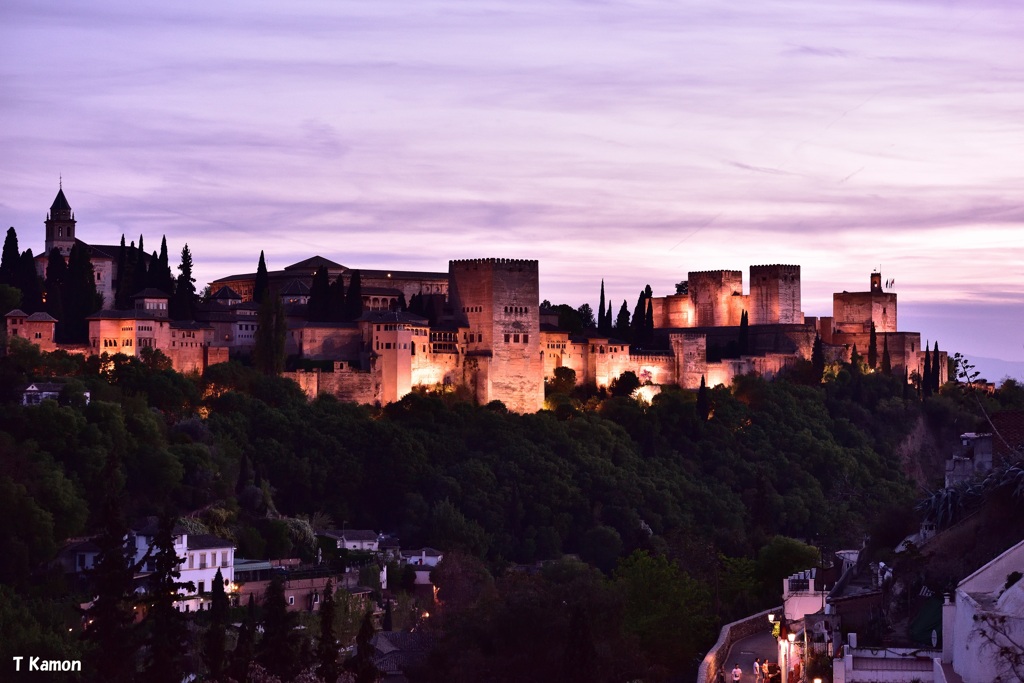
{"points": [[489, 339]]}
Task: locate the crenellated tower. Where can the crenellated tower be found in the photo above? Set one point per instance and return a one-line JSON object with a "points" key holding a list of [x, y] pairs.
{"points": [[775, 295]]}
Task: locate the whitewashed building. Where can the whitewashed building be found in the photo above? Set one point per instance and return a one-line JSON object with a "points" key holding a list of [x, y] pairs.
{"points": [[201, 555]]}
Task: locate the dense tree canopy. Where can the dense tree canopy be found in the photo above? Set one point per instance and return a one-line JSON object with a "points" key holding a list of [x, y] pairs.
{"points": [[698, 493]]}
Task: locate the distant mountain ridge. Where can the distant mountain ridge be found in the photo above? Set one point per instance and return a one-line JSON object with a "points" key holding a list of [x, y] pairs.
{"points": [[996, 369]]}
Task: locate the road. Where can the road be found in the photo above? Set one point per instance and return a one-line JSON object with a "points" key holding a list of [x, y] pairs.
{"points": [[761, 645]]}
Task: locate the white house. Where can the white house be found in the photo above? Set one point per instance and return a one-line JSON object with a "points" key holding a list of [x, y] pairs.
{"points": [[201, 555], [983, 624], [354, 539], [802, 594], [426, 557], [37, 392]]}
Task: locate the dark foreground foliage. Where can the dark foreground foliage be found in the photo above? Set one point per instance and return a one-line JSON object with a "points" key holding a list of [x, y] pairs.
{"points": [[677, 502]]}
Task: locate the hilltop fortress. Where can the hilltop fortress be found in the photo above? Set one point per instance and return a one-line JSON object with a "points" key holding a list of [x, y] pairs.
{"points": [[489, 335]]}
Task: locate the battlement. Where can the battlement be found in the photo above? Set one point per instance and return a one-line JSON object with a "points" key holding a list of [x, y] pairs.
{"points": [[464, 264], [716, 273]]}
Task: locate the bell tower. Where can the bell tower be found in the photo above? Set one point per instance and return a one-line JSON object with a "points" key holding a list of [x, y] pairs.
{"points": [[60, 225]]}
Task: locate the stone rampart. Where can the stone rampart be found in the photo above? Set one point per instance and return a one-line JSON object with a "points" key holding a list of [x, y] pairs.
{"points": [[346, 385]]}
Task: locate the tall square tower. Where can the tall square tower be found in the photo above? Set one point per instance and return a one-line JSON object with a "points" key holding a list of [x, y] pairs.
{"points": [[498, 301], [775, 295]]}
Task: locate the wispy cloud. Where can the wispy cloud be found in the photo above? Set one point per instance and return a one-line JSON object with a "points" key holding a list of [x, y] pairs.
{"points": [[628, 140]]}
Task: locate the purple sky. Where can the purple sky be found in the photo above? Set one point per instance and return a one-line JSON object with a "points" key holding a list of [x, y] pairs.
{"points": [[633, 141]]}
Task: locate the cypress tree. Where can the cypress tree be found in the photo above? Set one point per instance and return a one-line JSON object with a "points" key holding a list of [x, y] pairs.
{"points": [[337, 300], [855, 360], [165, 282], [139, 271], [183, 303], [271, 331], [245, 647], [361, 663], [80, 296], [319, 305], [886, 359], [873, 348], [167, 628], [401, 302], [608, 318], [56, 274], [600, 314], [245, 474], [123, 284], [703, 401], [936, 374], [744, 337], [415, 303], [389, 619], [327, 647], [649, 322], [354, 297], [636, 326], [215, 640], [262, 284], [153, 272], [622, 325], [110, 619], [580, 658], [817, 360], [9, 260], [277, 650], [28, 283], [926, 378]]}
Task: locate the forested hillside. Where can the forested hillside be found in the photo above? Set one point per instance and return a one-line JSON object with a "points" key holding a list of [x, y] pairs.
{"points": [[704, 491]]}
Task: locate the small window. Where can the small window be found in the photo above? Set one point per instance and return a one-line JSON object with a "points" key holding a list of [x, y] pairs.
{"points": [[291, 599]]}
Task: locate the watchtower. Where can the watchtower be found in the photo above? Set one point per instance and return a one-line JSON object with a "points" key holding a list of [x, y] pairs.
{"points": [[498, 301], [775, 295]]}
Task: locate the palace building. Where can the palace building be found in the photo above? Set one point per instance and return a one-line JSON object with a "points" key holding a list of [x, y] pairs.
{"points": [[487, 333]]}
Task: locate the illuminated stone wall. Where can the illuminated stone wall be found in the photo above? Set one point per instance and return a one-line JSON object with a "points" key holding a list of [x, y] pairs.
{"points": [[853, 312], [690, 352], [717, 297], [345, 383], [674, 310], [775, 295], [498, 300], [328, 341]]}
